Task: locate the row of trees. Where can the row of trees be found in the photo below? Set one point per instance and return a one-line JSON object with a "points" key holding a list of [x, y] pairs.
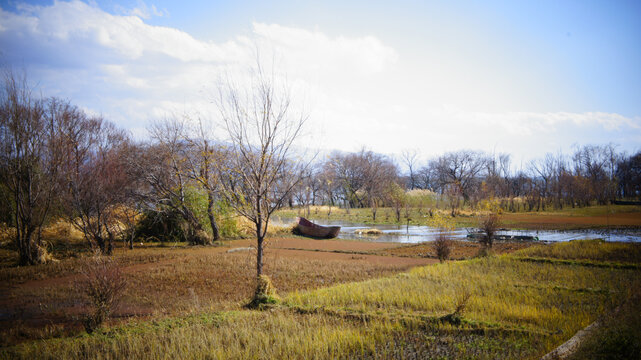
{"points": [[593, 174]]}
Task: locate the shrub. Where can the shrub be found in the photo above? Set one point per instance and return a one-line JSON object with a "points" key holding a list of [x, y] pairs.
{"points": [[102, 285], [460, 306], [443, 247], [265, 293], [484, 251], [489, 225], [166, 225]]}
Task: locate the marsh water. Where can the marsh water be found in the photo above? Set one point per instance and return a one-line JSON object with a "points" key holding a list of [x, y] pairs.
{"points": [[417, 234]]}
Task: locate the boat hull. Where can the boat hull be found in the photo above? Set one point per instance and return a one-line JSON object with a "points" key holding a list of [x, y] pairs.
{"points": [[307, 228]]}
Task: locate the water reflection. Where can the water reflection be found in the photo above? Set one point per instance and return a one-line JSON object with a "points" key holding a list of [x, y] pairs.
{"points": [[416, 234]]}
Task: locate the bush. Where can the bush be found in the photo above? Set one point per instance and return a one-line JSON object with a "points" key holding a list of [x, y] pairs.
{"points": [[224, 215], [166, 225], [102, 285], [460, 306], [443, 247], [489, 225], [265, 293]]}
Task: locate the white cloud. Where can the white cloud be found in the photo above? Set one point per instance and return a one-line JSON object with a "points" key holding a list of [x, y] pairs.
{"points": [[315, 51]]}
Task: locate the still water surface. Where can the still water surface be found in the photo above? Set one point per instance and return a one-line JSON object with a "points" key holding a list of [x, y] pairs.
{"points": [[416, 234]]}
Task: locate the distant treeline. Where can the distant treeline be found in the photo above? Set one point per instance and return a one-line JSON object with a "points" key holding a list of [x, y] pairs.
{"points": [[593, 174]]}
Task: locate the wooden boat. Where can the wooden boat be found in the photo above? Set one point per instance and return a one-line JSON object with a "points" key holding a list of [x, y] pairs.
{"points": [[307, 228]]}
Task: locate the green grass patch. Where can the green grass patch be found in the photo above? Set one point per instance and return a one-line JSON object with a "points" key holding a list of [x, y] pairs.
{"points": [[600, 264], [594, 250]]}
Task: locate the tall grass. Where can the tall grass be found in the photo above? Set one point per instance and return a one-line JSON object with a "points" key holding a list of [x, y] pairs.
{"points": [[275, 335], [236, 335]]}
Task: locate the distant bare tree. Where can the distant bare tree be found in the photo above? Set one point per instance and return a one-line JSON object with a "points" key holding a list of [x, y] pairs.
{"points": [[379, 174], [346, 172], [462, 169], [497, 175], [629, 177], [426, 178], [597, 164], [410, 159], [363, 177], [329, 186], [262, 128], [305, 191], [544, 169]]}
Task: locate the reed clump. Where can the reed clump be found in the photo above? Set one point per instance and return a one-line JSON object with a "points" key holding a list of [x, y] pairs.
{"points": [[265, 293]]}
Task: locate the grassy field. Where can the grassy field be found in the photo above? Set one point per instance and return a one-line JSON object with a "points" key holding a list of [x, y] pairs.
{"points": [[337, 304], [610, 216], [42, 301]]}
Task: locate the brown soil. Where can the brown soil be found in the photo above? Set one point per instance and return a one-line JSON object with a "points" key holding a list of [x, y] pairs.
{"points": [[329, 245], [383, 260]]}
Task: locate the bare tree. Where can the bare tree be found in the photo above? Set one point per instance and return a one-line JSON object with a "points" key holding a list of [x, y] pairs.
{"points": [[347, 172], [379, 174], [29, 160], [629, 177], [544, 169], [461, 169], [95, 176], [410, 159], [201, 166], [262, 128]]}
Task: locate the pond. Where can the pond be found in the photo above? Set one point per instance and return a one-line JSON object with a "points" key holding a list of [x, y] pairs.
{"points": [[417, 234]]}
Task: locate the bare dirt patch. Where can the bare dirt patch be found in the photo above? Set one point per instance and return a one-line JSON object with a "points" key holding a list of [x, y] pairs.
{"points": [[401, 263], [329, 245]]}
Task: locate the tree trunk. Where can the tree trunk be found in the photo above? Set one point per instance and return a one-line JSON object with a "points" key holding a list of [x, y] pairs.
{"points": [[195, 233], [259, 251], [210, 214], [101, 244], [29, 251]]}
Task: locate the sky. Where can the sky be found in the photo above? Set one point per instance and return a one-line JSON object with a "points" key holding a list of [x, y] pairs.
{"points": [[520, 77]]}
